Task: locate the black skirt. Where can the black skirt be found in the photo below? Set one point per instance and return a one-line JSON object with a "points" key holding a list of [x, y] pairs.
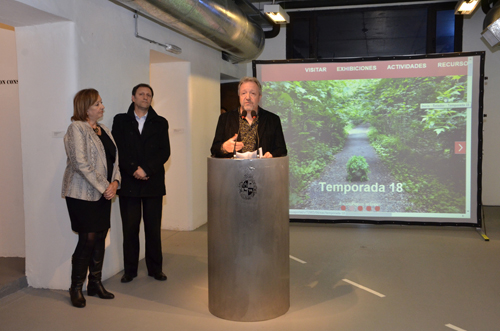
{"points": [[89, 216]]}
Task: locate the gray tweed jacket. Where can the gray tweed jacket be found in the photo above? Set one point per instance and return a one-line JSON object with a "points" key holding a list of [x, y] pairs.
{"points": [[86, 169]]}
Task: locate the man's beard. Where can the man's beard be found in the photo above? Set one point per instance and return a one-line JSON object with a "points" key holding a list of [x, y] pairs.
{"points": [[248, 107]]}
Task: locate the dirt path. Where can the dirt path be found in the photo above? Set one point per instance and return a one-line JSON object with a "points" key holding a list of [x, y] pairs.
{"points": [[382, 188]]}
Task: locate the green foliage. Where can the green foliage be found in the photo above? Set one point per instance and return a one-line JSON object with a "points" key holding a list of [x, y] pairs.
{"points": [[414, 142], [313, 122], [348, 128], [357, 169], [444, 119], [306, 168], [397, 111], [427, 193]]}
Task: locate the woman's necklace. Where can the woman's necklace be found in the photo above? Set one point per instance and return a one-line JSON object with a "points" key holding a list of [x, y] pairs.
{"points": [[96, 129]]}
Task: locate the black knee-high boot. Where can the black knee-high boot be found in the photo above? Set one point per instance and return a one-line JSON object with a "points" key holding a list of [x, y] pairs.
{"points": [[94, 285], [78, 275]]}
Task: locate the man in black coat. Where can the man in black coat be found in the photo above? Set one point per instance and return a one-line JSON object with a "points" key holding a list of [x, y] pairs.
{"points": [[249, 127], [143, 148]]}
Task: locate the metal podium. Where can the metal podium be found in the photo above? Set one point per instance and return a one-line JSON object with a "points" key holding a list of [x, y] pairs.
{"points": [[248, 238]]}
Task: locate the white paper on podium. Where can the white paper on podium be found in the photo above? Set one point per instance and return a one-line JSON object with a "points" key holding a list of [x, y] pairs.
{"points": [[249, 155]]}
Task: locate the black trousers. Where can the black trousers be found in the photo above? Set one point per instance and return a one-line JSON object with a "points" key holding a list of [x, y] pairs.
{"points": [[130, 210]]}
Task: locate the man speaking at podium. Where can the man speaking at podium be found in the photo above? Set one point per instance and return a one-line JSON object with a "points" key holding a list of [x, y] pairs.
{"points": [[250, 127]]}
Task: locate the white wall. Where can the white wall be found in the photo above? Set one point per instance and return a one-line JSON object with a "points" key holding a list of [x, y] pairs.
{"points": [[171, 84], [66, 45], [275, 48], [11, 176], [191, 103], [47, 84], [204, 112]]}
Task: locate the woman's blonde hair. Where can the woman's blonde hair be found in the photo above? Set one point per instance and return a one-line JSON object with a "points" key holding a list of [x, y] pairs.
{"points": [[82, 102]]}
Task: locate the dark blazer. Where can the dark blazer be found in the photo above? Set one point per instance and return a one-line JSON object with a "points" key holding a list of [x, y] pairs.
{"points": [[271, 137], [149, 150]]}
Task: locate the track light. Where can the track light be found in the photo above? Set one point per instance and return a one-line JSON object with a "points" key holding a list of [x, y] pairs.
{"points": [[491, 25], [276, 13], [466, 7]]}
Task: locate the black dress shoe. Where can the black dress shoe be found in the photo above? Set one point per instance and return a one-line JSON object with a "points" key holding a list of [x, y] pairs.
{"points": [[77, 298], [95, 287], [127, 278], [159, 276]]}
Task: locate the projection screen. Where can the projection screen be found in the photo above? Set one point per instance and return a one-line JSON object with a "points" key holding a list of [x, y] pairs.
{"points": [[381, 140]]}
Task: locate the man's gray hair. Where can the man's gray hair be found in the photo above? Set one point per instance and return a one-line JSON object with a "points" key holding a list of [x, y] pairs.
{"points": [[247, 80]]}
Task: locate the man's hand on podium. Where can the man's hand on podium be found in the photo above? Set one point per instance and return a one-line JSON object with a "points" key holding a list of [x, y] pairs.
{"points": [[267, 155], [229, 145]]}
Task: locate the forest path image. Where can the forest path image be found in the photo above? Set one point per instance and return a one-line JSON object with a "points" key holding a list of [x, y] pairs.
{"points": [[391, 199]]}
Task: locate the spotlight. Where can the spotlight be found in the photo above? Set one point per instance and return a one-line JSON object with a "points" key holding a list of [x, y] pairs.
{"points": [[172, 48], [466, 7], [276, 13], [491, 25]]}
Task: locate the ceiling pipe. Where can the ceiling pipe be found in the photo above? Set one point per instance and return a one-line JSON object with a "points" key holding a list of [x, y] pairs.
{"points": [[216, 23]]}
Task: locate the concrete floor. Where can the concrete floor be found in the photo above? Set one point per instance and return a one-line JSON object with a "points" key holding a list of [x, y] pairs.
{"points": [[355, 277], [12, 275]]}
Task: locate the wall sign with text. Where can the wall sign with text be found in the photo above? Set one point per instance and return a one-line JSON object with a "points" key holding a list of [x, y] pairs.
{"points": [[9, 81]]}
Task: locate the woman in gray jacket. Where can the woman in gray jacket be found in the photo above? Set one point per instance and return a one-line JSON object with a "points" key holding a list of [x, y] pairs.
{"points": [[90, 182]]}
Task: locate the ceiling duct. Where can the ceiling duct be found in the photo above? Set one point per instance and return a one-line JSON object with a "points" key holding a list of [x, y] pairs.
{"points": [[217, 23]]}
